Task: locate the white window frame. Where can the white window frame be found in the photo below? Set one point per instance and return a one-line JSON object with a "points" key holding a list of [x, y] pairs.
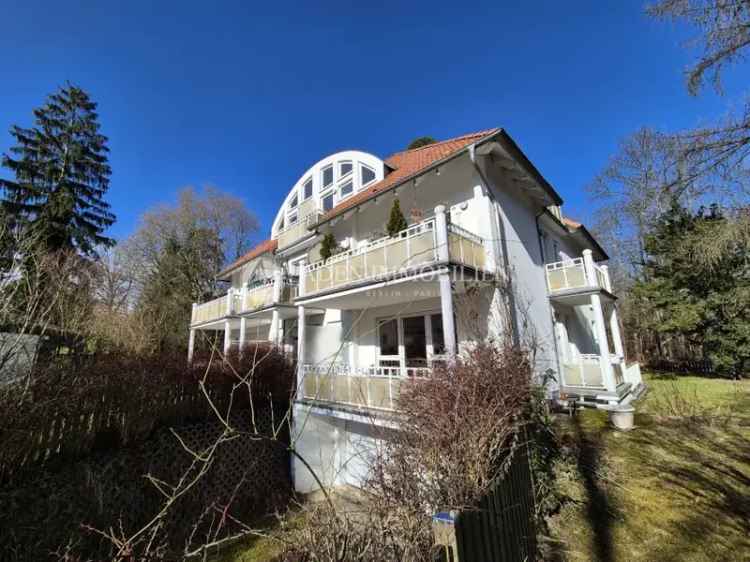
{"points": [[294, 198], [340, 188], [332, 193], [309, 180], [342, 175], [361, 180], [292, 218], [323, 185], [401, 357]]}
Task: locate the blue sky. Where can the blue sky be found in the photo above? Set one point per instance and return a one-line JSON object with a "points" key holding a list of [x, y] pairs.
{"points": [[247, 96]]}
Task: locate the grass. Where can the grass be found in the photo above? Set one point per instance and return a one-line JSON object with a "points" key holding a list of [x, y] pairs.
{"points": [[677, 488]]}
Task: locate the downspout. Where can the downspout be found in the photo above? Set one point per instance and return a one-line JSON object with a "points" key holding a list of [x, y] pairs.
{"points": [[503, 247], [552, 308]]}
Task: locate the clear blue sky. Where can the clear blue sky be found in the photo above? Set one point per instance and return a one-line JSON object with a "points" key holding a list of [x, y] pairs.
{"points": [[246, 97]]}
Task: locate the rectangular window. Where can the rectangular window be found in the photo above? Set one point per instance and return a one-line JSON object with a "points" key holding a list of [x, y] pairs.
{"points": [[328, 202], [345, 168], [293, 218], [415, 341], [293, 202], [346, 189], [327, 176], [308, 189], [388, 337]]}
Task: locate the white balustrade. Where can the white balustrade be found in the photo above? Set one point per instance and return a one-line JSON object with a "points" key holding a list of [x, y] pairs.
{"points": [[369, 387]]}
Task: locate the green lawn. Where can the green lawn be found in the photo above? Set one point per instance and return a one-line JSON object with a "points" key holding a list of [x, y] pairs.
{"points": [[675, 488]]}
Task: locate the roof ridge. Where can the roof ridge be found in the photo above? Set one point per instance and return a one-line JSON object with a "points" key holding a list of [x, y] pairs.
{"points": [[482, 133]]}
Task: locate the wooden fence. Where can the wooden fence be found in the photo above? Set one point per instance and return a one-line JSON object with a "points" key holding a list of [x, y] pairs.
{"points": [[501, 528]]}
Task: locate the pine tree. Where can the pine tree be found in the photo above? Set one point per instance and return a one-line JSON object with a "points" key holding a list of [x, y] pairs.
{"points": [[397, 221], [61, 175]]}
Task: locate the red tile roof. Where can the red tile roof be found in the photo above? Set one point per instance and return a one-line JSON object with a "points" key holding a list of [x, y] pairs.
{"points": [[571, 223], [258, 250], [408, 164]]}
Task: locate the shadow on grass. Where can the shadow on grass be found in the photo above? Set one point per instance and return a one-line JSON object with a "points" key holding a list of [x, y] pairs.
{"points": [[706, 473], [600, 507]]}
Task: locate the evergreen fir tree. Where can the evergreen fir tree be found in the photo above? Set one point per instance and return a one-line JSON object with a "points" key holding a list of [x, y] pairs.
{"points": [[397, 221], [61, 175], [328, 246]]}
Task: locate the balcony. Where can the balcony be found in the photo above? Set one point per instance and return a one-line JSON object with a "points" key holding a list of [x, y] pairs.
{"points": [[245, 300], [309, 216], [586, 372], [578, 273], [369, 387], [412, 248]]}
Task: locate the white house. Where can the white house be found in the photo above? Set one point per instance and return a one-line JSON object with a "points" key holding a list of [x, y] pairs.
{"points": [[487, 249]]}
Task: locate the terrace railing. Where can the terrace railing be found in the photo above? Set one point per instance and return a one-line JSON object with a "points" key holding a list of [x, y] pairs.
{"points": [[211, 310], [362, 387], [411, 248]]}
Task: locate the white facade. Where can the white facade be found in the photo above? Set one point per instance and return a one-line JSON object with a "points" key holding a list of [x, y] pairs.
{"points": [[385, 308]]}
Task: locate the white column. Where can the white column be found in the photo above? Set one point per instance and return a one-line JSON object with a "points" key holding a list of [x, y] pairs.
{"points": [[191, 345], [441, 234], [278, 285], [446, 305], [607, 280], [192, 313], [275, 321], [301, 276], [605, 360], [227, 336], [614, 328], [588, 263], [230, 300], [243, 331], [300, 348]]}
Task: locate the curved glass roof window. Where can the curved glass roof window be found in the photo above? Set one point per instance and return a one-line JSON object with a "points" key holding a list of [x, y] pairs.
{"points": [[326, 184]]}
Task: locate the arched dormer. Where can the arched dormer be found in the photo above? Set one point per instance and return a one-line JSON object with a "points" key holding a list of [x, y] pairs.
{"points": [[325, 184]]}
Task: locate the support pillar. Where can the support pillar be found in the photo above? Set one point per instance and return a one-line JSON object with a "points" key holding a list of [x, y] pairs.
{"points": [[300, 348], [614, 329], [227, 336], [275, 321], [243, 331], [441, 234], [446, 305], [191, 345], [588, 264], [605, 361]]}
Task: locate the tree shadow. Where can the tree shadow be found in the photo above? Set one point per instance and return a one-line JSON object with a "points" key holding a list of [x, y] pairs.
{"points": [[600, 507]]}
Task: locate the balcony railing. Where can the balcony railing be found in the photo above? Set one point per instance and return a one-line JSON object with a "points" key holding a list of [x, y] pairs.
{"points": [[585, 372], [411, 248], [210, 310], [309, 215], [466, 247], [573, 274], [363, 387], [244, 301]]}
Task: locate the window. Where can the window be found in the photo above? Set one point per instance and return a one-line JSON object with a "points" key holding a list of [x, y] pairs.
{"points": [[388, 337], [346, 189], [328, 202], [292, 218], [345, 168], [368, 174], [415, 341], [327, 176], [294, 201], [307, 189]]}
